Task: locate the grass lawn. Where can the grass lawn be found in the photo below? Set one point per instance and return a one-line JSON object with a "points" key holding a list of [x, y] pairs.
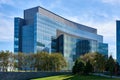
{"points": [[75, 77]]}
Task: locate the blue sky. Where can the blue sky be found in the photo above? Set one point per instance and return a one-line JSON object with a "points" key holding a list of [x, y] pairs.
{"points": [[99, 14]]}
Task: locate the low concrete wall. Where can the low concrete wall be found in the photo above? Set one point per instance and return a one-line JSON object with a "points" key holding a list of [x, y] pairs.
{"points": [[27, 75]]}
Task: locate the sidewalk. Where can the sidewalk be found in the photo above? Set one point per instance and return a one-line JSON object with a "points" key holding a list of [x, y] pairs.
{"points": [[100, 74]]}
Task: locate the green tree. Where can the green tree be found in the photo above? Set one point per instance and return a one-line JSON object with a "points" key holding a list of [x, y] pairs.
{"points": [[78, 67], [5, 60], [29, 61], [117, 68], [89, 57], [100, 61], [49, 62], [96, 59], [110, 65], [20, 61], [42, 61], [57, 61], [88, 68]]}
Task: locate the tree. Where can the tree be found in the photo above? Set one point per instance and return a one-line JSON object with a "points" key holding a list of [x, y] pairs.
{"points": [[97, 60], [41, 61], [110, 65], [88, 68], [29, 61], [57, 61], [117, 67], [6, 60], [61, 61], [20, 61], [78, 67], [49, 62], [100, 61], [88, 57]]}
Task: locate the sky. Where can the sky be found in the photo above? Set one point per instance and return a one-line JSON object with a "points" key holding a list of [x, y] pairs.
{"points": [[99, 14]]}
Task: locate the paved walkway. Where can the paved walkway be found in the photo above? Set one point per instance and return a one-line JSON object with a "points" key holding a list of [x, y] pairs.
{"points": [[100, 74]]}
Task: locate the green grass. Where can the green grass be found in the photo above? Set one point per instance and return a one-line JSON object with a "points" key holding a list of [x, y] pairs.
{"points": [[75, 77]]}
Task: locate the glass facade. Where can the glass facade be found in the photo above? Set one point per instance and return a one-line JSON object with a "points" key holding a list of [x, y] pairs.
{"points": [[46, 28], [18, 23], [69, 51], [28, 39], [72, 47], [45, 31], [118, 41], [103, 49], [86, 46]]}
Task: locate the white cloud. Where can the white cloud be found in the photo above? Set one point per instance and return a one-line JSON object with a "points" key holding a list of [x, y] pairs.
{"points": [[6, 29], [111, 1], [55, 4], [9, 2], [108, 30]]}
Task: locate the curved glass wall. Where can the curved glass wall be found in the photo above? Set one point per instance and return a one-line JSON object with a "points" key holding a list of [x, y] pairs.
{"points": [[46, 28]]}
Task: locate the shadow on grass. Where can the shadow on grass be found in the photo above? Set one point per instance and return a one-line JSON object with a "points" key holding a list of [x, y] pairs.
{"points": [[72, 77], [87, 77]]}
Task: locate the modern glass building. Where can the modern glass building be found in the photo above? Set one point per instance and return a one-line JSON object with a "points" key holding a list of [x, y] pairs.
{"points": [[103, 49], [118, 40], [43, 30]]}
